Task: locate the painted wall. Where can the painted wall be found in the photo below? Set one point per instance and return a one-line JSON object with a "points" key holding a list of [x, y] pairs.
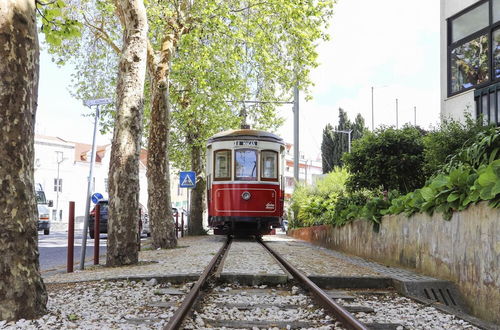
{"points": [[454, 106], [465, 250]]}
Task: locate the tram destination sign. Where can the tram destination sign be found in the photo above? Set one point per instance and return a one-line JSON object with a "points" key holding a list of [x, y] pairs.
{"points": [[245, 143]]}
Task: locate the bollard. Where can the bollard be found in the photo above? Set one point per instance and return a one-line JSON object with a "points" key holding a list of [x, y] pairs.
{"points": [[182, 226], [97, 232], [140, 229], [177, 225], [71, 237]]}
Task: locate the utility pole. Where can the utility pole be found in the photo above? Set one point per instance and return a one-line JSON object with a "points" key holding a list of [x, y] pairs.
{"points": [[90, 103], [296, 133], [397, 114], [373, 118], [415, 115]]}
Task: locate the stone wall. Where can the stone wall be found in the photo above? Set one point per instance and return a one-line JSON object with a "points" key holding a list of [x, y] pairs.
{"points": [[465, 250]]}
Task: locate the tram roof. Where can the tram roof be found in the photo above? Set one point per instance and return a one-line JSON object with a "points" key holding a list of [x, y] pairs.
{"points": [[246, 134]]}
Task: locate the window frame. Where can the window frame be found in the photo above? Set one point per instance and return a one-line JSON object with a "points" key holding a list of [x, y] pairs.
{"points": [[58, 185], [256, 164], [229, 159], [262, 178], [488, 31]]}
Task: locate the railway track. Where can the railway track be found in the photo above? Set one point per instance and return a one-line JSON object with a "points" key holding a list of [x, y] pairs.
{"points": [[282, 303]]}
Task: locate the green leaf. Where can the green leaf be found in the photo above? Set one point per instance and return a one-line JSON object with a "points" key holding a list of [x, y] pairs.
{"points": [[488, 177], [453, 197], [427, 193]]}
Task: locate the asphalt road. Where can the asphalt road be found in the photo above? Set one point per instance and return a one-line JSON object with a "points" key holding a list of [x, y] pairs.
{"points": [[53, 250]]}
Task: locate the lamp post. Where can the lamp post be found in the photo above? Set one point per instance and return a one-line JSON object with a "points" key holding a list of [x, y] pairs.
{"points": [[348, 136], [90, 103]]}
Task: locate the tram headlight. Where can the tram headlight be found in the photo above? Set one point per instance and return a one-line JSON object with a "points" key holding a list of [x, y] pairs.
{"points": [[246, 195]]}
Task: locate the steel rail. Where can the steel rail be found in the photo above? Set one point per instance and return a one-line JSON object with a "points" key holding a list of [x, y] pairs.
{"points": [[347, 319], [179, 315]]}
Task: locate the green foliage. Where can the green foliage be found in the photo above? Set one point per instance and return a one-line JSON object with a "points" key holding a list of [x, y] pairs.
{"points": [[442, 143], [56, 22], [470, 176], [232, 51], [390, 159], [335, 143], [330, 203]]}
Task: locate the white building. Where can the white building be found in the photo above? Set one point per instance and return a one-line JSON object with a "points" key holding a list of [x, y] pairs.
{"points": [[309, 170], [470, 59], [62, 168]]}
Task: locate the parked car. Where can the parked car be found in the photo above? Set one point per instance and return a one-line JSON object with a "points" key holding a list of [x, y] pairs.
{"points": [[103, 220], [43, 205]]}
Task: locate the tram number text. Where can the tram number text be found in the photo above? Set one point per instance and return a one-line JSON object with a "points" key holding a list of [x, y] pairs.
{"points": [[246, 143]]}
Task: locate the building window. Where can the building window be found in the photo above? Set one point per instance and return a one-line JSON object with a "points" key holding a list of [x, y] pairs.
{"points": [[58, 185], [469, 64], [106, 183], [473, 47], [488, 104]]}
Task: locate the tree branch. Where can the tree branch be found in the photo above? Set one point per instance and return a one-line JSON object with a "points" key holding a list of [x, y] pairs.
{"points": [[102, 34]]}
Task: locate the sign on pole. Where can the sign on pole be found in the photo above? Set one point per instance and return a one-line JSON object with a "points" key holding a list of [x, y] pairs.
{"points": [[90, 103], [187, 179], [96, 198]]}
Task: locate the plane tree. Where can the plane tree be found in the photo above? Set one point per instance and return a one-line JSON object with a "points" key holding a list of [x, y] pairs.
{"points": [[244, 51], [22, 290], [204, 58]]}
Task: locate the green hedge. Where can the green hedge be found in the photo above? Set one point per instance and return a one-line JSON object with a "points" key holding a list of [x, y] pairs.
{"points": [[470, 176]]}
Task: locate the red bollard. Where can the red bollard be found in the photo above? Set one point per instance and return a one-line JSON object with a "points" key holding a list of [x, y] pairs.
{"points": [[140, 229], [71, 237], [97, 233], [182, 226], [176, 225]]}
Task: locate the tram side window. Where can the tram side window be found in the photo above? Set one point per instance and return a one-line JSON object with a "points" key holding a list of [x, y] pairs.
{"points": [[222, 166], [246, 164], [269, 165]]}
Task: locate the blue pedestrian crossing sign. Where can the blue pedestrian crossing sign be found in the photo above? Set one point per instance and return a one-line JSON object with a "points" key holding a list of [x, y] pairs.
{"points": [[187, 179]]}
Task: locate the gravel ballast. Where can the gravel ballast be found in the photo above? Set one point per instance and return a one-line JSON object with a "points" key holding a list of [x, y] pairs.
{"points": [[106, 305], [247, 257], [315, 261], [191, 256]]}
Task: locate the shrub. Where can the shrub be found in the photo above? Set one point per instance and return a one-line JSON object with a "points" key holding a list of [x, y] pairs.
{"points": [[472, 175], [446, 141], [388, 159]]}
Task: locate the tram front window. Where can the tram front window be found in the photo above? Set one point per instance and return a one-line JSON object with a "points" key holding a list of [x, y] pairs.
{"points": [[246, 165]]}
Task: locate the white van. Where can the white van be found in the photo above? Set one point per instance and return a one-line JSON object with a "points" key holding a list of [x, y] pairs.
{"points": [[43, 210]]}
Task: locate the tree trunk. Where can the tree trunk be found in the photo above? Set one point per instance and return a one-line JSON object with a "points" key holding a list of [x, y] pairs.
{"points": [[22, 291], [158, 173], [198, 193], [124, 164]]}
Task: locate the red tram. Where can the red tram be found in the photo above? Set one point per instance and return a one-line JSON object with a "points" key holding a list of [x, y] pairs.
{"points": [[245, 182]]}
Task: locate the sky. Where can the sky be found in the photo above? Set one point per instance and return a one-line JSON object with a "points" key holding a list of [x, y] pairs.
{"points": [[392, 45]]}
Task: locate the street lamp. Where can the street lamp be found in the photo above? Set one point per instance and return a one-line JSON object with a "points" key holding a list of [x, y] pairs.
{"points": [[348, 136], [90, 103]]}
